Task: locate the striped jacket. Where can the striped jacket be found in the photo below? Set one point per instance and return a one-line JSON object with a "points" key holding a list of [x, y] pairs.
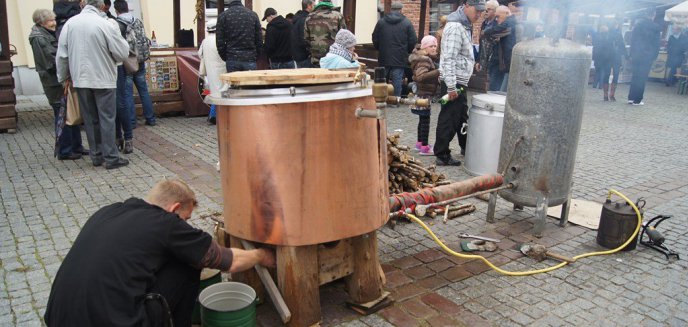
{"points": [[456, 60]]}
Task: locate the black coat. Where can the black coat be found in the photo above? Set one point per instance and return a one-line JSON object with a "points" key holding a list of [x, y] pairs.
{"points": [[644, 41], [394, 38], [239, 36], [63, 11], [676, 48], [506, 31], [278, 40], [299, 48]]}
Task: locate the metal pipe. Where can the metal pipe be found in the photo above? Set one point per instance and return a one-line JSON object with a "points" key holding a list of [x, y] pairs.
{"points": [[366, 113], [422, 209]]}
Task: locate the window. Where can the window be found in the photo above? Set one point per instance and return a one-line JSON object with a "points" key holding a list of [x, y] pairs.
{"points": [[437, 10]]}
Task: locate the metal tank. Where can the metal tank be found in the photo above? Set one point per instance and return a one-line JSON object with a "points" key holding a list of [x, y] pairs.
{"points": [[484, 134], [542, 122]]}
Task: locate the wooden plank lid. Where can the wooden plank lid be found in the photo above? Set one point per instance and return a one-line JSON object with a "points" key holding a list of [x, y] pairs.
{"points": [[288, 77]]}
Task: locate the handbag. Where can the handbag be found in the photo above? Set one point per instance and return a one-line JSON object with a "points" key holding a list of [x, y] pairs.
{"points": [[73, 115], [131, 64]]}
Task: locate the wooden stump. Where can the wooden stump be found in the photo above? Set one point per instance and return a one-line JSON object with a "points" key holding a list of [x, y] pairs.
{"points": [[364, 284], [298, 280]]}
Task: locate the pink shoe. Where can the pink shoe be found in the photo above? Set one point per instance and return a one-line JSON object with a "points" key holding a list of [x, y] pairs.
{"points": [[426, 150], [418, 145]]}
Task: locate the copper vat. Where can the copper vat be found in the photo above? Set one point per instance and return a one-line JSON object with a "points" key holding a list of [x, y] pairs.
{"points": [[298, 168]]}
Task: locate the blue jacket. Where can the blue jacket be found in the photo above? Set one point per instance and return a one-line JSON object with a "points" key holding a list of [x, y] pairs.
{"points": [[333, 61]]}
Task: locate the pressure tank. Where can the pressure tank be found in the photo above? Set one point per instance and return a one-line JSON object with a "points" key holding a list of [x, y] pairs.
{"points": [[542, 120]]}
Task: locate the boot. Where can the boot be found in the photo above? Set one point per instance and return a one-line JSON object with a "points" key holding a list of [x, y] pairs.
{"points": [[128, 147], [611, 92], [605, 87], [120, 144]]}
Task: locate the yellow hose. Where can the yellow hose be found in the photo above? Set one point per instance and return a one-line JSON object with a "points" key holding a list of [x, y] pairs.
{"points": [[533, 272]]}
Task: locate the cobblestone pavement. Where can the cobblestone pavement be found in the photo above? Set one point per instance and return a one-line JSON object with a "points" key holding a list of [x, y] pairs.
{"points": [[638, 150]]}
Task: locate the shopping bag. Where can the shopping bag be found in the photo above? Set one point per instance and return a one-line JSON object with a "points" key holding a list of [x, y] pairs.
{"points": [[73, 114]]}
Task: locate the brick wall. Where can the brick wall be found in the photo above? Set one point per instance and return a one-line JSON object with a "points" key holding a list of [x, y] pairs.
{"points": [[412, 12]]}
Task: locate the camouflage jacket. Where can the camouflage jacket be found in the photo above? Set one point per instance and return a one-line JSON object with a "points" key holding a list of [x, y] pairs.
{"points": [[320, 29]]}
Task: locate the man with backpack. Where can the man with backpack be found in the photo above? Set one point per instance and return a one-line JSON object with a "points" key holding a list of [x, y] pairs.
{"points": [[133, 31]]}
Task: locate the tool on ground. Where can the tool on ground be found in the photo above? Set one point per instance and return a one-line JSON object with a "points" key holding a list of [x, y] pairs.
{"points": [[478, 237], [478, 245], [539, 252], [270, 286], [655, 239]]}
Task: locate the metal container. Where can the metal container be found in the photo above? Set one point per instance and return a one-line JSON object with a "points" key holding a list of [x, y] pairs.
{"points": [[542, 121], [618, 221], [484, 134], [298, 167]]}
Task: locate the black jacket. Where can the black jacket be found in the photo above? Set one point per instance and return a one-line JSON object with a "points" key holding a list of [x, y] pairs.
{"points": [[299, 48], [63, 11], [394, 38], [644, 41], [506, 31], [239, 37], [278, 40]]}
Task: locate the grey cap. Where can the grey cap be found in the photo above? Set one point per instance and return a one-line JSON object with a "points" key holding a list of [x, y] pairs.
{"points": [[397, 5], [478, 4]]}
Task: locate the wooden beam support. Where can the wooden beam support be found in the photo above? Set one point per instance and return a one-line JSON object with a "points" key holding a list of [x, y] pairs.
{"points": [[364, 284], [4, 33], [220, 7], [297, 277], [421, 24], [200, 22], [176, 15]]}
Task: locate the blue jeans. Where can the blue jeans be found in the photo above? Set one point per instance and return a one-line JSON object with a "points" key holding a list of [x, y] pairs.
{"points": [[396, 77], [505, 82], [240, 66], [124, 94], [139, 79], [306, 63], [496, 77], [282, 65], [236, 66], [70, 140]]}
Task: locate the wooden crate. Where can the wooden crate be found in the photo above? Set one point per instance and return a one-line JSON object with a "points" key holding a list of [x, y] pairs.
{"points": [[7, 110], [7, 96]]}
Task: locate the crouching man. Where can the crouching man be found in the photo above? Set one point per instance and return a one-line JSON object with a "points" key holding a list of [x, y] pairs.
{"points": [[133, 256]]}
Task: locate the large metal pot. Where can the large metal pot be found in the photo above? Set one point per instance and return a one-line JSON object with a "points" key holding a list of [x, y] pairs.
{"points": [[298, 167], [484, 134]]}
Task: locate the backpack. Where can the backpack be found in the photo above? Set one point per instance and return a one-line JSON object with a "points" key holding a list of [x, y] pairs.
{"points": [[136, 37]]}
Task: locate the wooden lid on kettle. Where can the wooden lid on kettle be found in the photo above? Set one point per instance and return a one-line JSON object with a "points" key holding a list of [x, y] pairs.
{"points": [[288, 77]]}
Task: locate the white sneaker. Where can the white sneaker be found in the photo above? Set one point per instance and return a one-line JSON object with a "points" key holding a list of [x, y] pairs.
{"points": [[630, 102], [639, 103]]}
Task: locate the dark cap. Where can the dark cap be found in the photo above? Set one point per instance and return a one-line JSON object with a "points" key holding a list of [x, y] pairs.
{"points": [[478, 4], [269, 12]]}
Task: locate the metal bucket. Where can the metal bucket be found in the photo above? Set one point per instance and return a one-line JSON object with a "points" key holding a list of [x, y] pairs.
{"points": [[486, 118], [208, 277], [228, 304]]}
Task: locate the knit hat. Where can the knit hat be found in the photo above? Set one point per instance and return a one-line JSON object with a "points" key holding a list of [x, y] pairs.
{"points": [[397, 5], [345, 38], [428, 41]]}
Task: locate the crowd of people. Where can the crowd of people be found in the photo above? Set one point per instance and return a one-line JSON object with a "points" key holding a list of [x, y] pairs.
{"points": [[80, 48]]}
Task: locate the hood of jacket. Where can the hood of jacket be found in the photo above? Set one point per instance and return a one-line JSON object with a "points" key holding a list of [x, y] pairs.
{"points": [[417, 55], [279, 22], [459, 17], [127, 18], [299, 14], [65, 10], [394, 18], [40, 31]]}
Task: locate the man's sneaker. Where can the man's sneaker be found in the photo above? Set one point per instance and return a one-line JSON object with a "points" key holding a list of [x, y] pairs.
{"points": [[119, 163], [71, 156], [212, 120], [151, 122], [128, 147], [449, 161], [630, 102], [426, 150], [639, 103], [419, 144]]}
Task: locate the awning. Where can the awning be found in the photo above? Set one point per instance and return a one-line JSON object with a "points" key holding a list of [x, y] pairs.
{"points": [[678, 14]]}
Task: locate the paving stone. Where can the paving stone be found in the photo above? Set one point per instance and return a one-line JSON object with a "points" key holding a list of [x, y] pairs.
{"points": [[419, 272], [455, 274], [407, 291], [417, 308], [398, 317], [432, 282], [430, 255], [396, 278], [441, 304]]}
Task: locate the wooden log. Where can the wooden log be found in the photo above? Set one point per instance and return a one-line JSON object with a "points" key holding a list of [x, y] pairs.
{"points": [[8, 123], [297, 278], [364, 284], [7, 110]]}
